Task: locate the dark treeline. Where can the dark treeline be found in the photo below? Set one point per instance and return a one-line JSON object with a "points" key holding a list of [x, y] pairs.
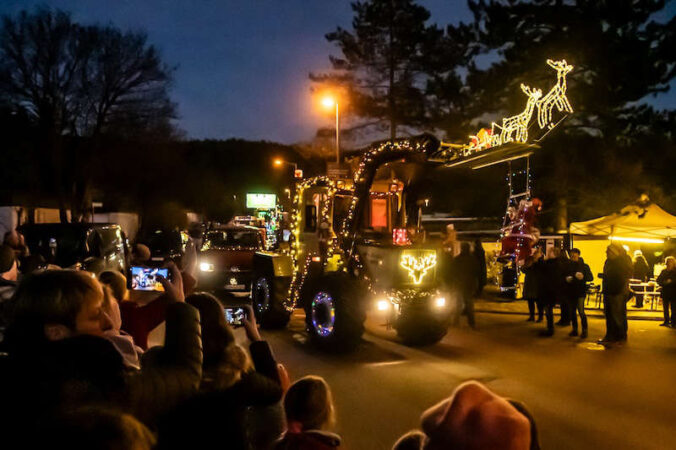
{"points": [[86, 115]]}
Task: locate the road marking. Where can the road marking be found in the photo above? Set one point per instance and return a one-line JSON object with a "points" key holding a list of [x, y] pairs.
{"points": [[386, 363]]}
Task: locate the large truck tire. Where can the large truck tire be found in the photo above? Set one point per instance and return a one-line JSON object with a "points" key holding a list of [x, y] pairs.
{"points": [[418, 328], [335, 314], [267, 297]]}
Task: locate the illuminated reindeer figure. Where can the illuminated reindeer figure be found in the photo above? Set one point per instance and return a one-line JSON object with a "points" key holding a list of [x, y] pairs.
{"points": [[418, 267], [517, 124], [557, 95]]}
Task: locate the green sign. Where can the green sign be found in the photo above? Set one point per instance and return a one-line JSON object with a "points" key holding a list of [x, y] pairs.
{"points": [[261, 201]]}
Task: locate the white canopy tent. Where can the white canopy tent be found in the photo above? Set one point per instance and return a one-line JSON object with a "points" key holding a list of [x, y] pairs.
{"points": [[634, 223], [635, 227]]}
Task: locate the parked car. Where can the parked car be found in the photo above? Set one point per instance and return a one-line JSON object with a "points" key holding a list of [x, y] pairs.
{"points": [[164, 243], [226, 258], [70, 244]]}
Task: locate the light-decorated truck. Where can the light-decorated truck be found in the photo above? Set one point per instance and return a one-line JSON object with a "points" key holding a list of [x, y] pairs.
{"points": [[354, 247]]}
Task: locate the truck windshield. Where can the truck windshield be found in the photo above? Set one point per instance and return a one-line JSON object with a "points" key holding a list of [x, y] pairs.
{"points": [[231, 238]]}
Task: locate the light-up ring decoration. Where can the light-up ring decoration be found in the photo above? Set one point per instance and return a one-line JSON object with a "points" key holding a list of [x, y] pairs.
{"points": [[418, 266], [263, 299], [323, 314]]}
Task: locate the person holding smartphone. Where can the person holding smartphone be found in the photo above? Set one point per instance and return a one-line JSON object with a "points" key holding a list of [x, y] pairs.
{"points": [[233, 384], [146, 308]]}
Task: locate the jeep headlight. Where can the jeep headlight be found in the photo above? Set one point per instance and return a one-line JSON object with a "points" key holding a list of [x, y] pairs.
{"points": [[440, 302], [206, 267]]}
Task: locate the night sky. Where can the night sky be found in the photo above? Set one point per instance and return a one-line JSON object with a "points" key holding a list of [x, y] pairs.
{"points": [[243, 65]]}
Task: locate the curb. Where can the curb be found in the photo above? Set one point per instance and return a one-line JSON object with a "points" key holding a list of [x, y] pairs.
{"points": [[594, 315]]}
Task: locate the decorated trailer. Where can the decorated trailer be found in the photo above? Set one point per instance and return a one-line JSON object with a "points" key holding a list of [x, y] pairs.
{"points": [[355, 249]]}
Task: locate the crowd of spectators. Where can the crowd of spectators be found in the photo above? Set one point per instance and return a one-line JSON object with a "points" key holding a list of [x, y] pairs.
{"points": [[79, 369]]}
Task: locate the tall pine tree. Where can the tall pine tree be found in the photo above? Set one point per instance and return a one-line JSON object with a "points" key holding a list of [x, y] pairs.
{"points": [[382, 68]]}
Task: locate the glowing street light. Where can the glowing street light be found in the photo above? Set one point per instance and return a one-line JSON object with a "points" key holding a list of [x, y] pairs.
{"points": [[278, 162], [329, 101]]}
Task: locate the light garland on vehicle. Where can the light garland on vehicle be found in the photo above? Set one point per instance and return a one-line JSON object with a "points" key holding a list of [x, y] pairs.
{"points": [[366, 161], [418, 266], [297, 281]]}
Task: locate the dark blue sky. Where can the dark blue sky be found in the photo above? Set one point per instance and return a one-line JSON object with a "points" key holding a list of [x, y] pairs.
{"points": [[242, 64]]}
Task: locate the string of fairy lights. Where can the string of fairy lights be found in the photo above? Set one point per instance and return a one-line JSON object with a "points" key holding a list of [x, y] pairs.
{"points": [[359, 176], [296, 219]]}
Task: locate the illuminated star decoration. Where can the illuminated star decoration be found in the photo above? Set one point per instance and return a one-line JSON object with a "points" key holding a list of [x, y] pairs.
{"points": [[556, 96], [418, 266]]}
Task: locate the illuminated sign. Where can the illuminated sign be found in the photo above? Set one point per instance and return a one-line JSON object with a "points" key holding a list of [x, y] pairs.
{"points": [[261, 201], [418, 266]]}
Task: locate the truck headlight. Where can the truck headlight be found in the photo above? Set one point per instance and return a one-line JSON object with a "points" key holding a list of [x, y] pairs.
{"points": [[383, 305], [440, 302], [206, 267]]}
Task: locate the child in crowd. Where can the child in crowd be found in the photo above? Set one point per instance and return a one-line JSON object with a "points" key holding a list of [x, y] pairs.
{"points": [[114, 292], [309, 411]]}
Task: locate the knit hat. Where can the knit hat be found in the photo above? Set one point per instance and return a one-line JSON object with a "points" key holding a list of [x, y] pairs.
{"points": [[7, 258], [475, 418]]}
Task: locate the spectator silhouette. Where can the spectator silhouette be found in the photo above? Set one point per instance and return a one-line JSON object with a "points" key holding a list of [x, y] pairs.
{"points": [[232, 384], [309, 411]]}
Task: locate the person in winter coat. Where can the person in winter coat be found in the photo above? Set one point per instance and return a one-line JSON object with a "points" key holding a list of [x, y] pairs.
{"points": [[309, 411], [232, 384], [616, 273], [531, 269], [550, 286], [480, 256], [58, 358], [464, 274], [641, 272], [667, 280], [577, 276]]}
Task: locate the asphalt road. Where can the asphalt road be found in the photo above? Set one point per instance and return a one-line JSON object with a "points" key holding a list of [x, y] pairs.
{"points": [[582, 396]]}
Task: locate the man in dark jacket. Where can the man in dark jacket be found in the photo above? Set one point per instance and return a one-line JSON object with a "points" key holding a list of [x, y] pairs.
{"points": [[616, 273], [577, 276], [480, 256], [551, 276], [58, 358], [667, 280], [465, 280]]}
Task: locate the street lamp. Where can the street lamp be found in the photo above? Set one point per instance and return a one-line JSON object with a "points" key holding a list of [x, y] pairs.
{"points": [[280, 162], [329, 102]]}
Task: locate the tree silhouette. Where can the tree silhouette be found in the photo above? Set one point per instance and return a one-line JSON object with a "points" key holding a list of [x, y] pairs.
{"points": [[78, 83], [621, 57], [382, 69]]}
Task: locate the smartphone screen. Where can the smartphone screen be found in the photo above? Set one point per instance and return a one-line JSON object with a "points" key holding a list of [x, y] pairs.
{"points": [[235, 316], [145, 278]]}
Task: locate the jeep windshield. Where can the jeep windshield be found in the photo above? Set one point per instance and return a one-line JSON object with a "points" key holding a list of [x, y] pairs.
{"points": [[231, 239]]}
